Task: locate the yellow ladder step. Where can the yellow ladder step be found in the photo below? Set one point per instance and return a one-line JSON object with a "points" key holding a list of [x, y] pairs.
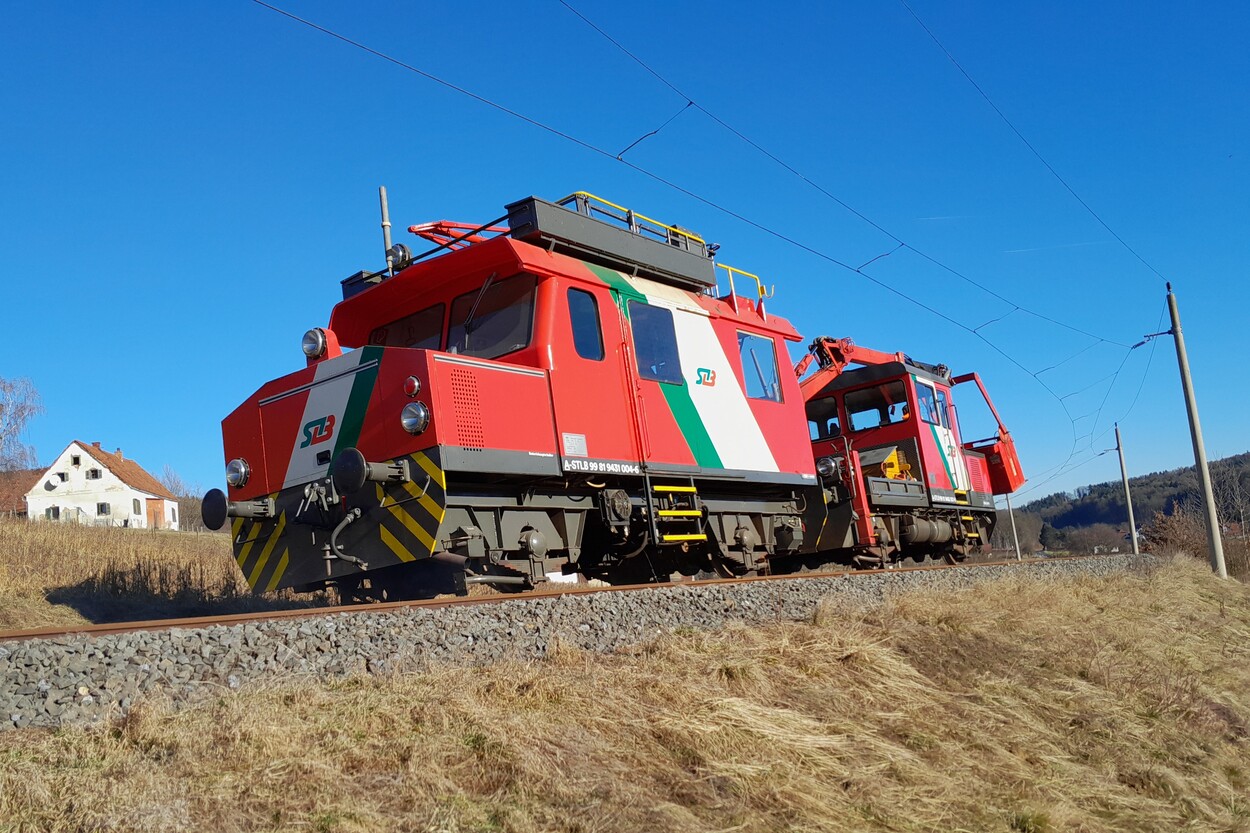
{"points": [[674, 489], [966, 518], [680, 513], [667, 539]]}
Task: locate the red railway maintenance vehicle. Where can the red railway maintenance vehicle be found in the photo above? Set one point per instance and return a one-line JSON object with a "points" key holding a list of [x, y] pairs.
{"points": [[569, 394]]}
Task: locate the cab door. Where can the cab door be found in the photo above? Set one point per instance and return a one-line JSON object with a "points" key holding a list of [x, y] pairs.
{"points": [[932, 407], [591, 389]]}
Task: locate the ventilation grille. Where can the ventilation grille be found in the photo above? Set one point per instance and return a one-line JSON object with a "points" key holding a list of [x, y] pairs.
{"points": [[978, 474], [464, 400]]}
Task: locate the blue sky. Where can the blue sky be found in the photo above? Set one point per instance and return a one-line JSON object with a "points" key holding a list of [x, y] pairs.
{"points": [[184, 185]]}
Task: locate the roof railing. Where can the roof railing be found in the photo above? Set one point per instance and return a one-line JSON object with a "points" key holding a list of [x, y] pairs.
{"points": [[590, 205], [761, 292]]}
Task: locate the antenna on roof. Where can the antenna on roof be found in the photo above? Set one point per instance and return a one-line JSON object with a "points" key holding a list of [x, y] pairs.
{"points": [[386, 232]]}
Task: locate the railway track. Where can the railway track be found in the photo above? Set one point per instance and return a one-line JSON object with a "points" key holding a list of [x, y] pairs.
{"points": [[55, 676], [108, 628]]}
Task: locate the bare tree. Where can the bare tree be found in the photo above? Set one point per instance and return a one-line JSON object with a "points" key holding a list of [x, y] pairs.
{"points": [[189, 500], [19, 403], [1230, 496]]}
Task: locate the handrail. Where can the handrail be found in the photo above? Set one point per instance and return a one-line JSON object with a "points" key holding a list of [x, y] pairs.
{"points": [[759, 285], [631, 213]]}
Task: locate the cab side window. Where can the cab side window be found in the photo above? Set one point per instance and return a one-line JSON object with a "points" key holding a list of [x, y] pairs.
{"points": [[655, 343], [926, 403], [944, 411], [759, 366], [584, 316]]}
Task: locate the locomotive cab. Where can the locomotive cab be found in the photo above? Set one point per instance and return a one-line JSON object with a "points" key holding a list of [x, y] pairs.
{"points": [[562, 397], [887, 441]]}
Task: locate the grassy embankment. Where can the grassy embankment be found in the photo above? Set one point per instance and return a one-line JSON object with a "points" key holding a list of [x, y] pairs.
{"points": [[64, 574], [1088, 704]]}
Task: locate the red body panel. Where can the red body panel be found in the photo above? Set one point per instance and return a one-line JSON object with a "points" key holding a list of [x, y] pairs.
{"points": [[480, 404]]}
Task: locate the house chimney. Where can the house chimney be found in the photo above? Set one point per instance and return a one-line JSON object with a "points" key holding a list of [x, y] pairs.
{"points": [[118, 452], [96, 444]]}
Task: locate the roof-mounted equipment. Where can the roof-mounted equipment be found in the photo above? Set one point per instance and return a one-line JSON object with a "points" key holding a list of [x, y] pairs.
{"points": [[594, 229]]}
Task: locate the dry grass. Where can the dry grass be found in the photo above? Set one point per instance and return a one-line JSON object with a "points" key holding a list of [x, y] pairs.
{"points": [[63, 573], [1118, 704]]}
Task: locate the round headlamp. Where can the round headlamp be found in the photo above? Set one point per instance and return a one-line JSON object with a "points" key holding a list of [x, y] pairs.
{"points": [[314, 343], [827, 468], [237, 472], [415, 417]]}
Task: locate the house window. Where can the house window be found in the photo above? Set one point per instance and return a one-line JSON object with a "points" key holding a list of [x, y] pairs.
{"points": [[52, 513], [655, 343], [75, 460], [62, 476], [584, 316], [93, 474], [101, 508], [138, 511], [173, 514], [759, 367]]}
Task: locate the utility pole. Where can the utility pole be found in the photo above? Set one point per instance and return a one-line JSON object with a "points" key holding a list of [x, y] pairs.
{"points": [[1014, 537], [1128, 498], [1216, 549]]}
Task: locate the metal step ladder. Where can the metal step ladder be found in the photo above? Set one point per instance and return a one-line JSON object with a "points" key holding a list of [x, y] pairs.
{"points": [[675, 512]]}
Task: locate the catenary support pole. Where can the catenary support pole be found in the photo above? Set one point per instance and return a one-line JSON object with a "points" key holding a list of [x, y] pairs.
{"points": [[1128, 497], [1014, 537], [1215, 544]]}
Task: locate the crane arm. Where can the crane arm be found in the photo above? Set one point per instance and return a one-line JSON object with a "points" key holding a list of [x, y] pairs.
{"points": [[834, 355]]}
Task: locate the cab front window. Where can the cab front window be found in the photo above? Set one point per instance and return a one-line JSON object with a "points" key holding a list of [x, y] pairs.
{"points": [[879, 405], [422, 330], [494, 320]]}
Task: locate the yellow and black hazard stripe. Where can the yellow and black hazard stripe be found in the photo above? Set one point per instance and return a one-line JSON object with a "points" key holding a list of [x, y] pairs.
{"points": [[261, 553], [402, 526], [410, 514]]}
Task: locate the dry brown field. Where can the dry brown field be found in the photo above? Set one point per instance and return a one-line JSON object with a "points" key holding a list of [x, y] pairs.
{"points": [[1113, 704], [65, 574]]}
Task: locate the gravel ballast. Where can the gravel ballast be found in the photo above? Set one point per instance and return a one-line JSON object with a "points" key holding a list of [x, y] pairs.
{"points": [[80, 678]]}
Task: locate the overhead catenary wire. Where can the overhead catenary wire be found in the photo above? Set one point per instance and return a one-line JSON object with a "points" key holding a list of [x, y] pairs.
{"points": [[1026, 142], [666, 182], [1113, 377], [826, 192], [900, 244], [586, 145]]}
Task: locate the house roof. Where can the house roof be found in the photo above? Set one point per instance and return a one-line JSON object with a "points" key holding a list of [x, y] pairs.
{"points": [[13, 488], [128, 471]]}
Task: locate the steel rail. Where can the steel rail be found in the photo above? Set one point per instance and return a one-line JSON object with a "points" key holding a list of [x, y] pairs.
{"points": [[227, 619]]}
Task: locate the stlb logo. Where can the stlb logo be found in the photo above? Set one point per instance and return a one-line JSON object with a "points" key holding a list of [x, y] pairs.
{"points": [[318, 431], [707, 376]]}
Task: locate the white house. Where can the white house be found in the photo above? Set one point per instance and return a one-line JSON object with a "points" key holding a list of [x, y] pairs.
{"points": [[89, 485]]}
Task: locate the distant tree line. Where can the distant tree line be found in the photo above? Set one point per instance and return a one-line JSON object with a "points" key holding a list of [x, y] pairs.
{"points": [[1094, 516]]}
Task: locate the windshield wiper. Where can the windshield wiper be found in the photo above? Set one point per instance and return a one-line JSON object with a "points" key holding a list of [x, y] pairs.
{"points": [[468, 320]]}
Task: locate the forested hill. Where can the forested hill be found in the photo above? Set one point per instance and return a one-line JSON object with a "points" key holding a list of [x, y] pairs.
{"points": [[1103, 503]]}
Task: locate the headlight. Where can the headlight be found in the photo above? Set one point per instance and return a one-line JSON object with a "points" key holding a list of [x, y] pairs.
{"points": [[314, 343], [237, 472], [415, 417], [827, 468]]}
